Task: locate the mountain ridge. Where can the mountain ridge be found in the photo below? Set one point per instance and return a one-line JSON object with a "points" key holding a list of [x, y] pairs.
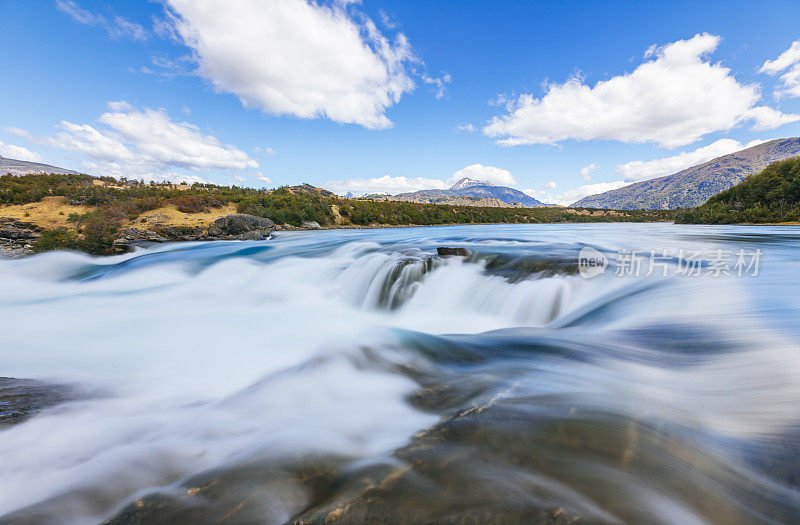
{"points": [[24, 167], [694, 185], [475, 190]]}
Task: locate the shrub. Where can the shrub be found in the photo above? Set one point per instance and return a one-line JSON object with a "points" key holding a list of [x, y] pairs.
{"points": [[56, 239]]}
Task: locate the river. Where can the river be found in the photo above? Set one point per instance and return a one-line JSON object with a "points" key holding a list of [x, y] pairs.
{"points": [[357, 376]]}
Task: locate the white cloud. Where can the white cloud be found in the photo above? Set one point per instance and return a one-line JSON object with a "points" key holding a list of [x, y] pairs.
{"points": [[469, 128], [395, 185], [292, 57], [146, 144], [385, 184], [788, 60], [267, 152], [83, 138], [19, 132], [156, 136], [550, 185], [490, 174], [260, 176], [586, 170], [638, 170], [116, 26], [673, 98], [11, 151], [438, 83]]}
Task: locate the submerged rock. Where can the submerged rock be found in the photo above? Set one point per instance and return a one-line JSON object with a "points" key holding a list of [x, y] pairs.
{"points": [[20, 399], [446, 252]]}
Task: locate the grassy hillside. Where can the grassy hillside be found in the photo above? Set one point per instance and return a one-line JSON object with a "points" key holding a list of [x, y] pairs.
{"points": [[693, 186], [86, 213], [770, 196]]}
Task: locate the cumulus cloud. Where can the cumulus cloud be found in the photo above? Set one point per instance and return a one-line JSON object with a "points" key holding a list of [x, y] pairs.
{"points": [[117, 27], [469, 128], [788, 61], [586, 170], [146, 144], [156, 136], [11, 151], [673, 98], [293, 57], [638, 170], [490, 174], [395, 185]]}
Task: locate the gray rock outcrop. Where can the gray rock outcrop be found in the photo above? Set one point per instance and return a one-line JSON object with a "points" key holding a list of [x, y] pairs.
{"points": [[17, 237], [241, 226]]}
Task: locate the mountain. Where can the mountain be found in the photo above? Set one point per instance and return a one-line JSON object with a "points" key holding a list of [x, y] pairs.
{"points": [[693, 186], [23, 167], [770, 196], [466, 182], [471, 192]]}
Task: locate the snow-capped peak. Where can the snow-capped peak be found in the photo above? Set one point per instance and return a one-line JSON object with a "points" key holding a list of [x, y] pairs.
{"points": [[466, 182]]}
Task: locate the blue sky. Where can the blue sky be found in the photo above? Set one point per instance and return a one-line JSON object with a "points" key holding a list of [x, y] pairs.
{"points": [[560, 99]]}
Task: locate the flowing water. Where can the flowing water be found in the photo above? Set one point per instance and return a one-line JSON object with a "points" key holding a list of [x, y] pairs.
{"points": [[356, 376]]}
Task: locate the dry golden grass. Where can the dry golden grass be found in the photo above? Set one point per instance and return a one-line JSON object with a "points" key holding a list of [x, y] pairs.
{"points": [[50, 212], [170, 216]]}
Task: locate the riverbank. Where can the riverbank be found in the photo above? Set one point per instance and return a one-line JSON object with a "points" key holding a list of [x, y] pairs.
{"points": [[104, 216]]}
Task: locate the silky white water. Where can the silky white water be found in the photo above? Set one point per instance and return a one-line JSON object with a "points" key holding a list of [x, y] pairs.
{"points": [[184, 358]]}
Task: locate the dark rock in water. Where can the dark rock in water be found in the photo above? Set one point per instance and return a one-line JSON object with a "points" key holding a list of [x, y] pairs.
{"points": [[259, 491], [519, 268], [17, 237], [20, 399], [311, 225], [445, 251], [240, 223]]}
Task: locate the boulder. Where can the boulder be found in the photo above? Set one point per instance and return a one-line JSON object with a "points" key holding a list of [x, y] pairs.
{"points": [[240, 223], [445, 251], [311, 225]]}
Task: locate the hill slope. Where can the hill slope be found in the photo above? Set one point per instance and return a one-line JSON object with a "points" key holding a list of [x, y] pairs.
{"points": [[693, 186], [770, 196], [473, 189], [23, 167]]}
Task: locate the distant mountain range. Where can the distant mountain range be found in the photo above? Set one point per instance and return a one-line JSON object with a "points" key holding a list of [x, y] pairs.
{"points": [[23, 167], [693, 186], [471, 192]]}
